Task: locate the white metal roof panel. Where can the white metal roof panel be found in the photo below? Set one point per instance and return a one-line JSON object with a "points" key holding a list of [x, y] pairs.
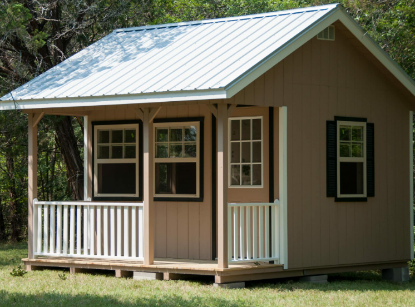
{"points": [[191, 56]]}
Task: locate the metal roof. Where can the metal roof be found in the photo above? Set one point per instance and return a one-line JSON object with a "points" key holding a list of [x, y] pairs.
{"points": [[204, 56]]}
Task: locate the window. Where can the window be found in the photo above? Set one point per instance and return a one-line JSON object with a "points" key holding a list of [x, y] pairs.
{"points": [[327, 34], [116, 160], [351, 160], [245, 152], [177, 159]]}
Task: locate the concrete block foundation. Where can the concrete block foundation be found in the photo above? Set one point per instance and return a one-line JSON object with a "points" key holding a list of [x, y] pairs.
{"points": [[396, 274], [147, 276]]}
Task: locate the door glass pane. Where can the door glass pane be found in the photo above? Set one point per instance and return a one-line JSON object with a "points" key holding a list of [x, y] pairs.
{"points": [[345, 133], [256, 174], [246, 174], [357, 150], [103, 152], [129, 136], [256, 151], [116, 152], [129, 152], [256, 129], [103, 136], [116, 136], [235, 152], [162, 151], [345, 149], [176, 150], [351, 178], [246, 152], [235, 175], [176, 135], [190, 134], [246, 129], [357, 134], [162, 134], [190, 150], [235, 130]]}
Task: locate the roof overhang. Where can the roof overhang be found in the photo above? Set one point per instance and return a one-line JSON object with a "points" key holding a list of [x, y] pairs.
{"points": [[236, 85]]}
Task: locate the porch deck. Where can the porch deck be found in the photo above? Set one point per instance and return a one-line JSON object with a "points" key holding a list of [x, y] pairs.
{"points": [[235, 271]]}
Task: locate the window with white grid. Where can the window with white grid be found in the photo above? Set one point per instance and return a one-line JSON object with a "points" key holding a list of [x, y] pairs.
{"points": [[245, 152]]}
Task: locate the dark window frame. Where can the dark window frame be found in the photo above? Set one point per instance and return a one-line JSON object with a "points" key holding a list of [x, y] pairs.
{"points": [[140, 161], [201, 160]]}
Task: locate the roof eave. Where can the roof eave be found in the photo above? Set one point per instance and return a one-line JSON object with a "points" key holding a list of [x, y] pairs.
{"points": [[113, 100]]}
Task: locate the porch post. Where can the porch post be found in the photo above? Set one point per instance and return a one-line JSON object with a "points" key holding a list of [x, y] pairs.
{"points": [[32, 178], [222, 185], [149, 218]]}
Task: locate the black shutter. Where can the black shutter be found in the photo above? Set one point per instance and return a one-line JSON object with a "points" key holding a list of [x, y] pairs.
{"points": [[331, 159], [370, 160]]}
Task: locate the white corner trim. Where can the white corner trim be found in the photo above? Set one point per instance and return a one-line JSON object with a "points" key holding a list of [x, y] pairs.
{"points": [[86, 123], [411, 183], [283, 177]]}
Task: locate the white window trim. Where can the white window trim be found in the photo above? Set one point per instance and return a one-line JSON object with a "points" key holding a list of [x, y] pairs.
{"points": [[352, 159], [177, 160], [243, 141], [114, 161]]}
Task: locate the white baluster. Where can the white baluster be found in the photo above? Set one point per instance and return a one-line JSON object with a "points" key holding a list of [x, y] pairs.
{"points": [[229, 233], [45, 228], [261, 232], [141, 232], [65, 229], [72, 231], [59, 229], [105, 230], [248, 232], [119, 231], [78, 230], [266, 231], [86, 232], [39, 229], [242, 231], [99, 231], [254, 232], [126, 241], [112, 226], [92, 230], [52, 230], [133, 232], [235, 234]]}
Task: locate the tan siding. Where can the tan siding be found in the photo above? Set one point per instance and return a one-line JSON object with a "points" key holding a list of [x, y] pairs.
{"points": [[183, 229]]}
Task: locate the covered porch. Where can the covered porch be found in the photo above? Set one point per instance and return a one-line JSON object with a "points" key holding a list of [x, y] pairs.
{"points": [[121, 234]]}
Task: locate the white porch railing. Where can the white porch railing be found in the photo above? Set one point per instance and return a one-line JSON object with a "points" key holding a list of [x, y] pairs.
{"points": [[253, 232], [88, 229]]}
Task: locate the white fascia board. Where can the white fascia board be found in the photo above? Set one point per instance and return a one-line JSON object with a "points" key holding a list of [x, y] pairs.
{"points": [[280, 54], [112, 100]]}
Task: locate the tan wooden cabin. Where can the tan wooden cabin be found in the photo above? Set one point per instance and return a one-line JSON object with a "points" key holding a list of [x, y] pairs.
{"points": [[255, 147]]}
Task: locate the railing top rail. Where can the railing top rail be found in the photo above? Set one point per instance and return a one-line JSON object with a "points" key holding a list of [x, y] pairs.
{"points": [[86, 203], [276, 203]]}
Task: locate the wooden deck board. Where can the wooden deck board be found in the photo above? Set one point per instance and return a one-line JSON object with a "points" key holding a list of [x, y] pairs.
{"points": [[205, 267]]}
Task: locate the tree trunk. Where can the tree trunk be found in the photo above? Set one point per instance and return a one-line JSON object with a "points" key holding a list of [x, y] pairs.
{"points": [[2, 226], [71, 156], [14, 204]]}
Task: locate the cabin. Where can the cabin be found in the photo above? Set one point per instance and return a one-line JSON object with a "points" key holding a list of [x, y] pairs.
{"points": [[245, 148]]}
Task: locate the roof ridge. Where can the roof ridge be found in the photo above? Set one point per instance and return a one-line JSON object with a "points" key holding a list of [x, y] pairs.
{"points": [[215, 20]]}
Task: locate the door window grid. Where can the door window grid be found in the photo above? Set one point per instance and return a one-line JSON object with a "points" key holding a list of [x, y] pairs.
{"points": [[242, 141]]}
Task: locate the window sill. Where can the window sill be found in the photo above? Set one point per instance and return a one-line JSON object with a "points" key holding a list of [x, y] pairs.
{"points": [[117, 198], [178, 199], [350, 199]]}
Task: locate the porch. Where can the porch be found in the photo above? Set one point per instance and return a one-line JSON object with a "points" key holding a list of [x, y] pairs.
{"points": [[119, 234]]}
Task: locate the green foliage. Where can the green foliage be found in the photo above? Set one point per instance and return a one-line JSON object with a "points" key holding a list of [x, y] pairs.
{"points": [[63, 276], [18, 271]]}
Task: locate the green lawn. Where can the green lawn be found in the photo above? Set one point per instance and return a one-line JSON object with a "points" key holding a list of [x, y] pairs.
{"points": [[45, 288]]}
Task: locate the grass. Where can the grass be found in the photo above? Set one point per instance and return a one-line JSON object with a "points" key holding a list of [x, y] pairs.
{"points": [[46, 288]]}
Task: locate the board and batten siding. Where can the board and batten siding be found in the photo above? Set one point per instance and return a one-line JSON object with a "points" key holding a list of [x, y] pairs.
{"points": [[183, 229], [318, 81]]}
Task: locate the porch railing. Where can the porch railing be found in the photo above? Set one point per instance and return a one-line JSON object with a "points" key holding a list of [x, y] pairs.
{"points": [[253, 232], [88, 229]]}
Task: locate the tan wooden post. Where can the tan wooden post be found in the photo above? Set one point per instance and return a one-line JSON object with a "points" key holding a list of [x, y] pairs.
{"points": [[149, 218], [32, 178], [222, 185]]}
